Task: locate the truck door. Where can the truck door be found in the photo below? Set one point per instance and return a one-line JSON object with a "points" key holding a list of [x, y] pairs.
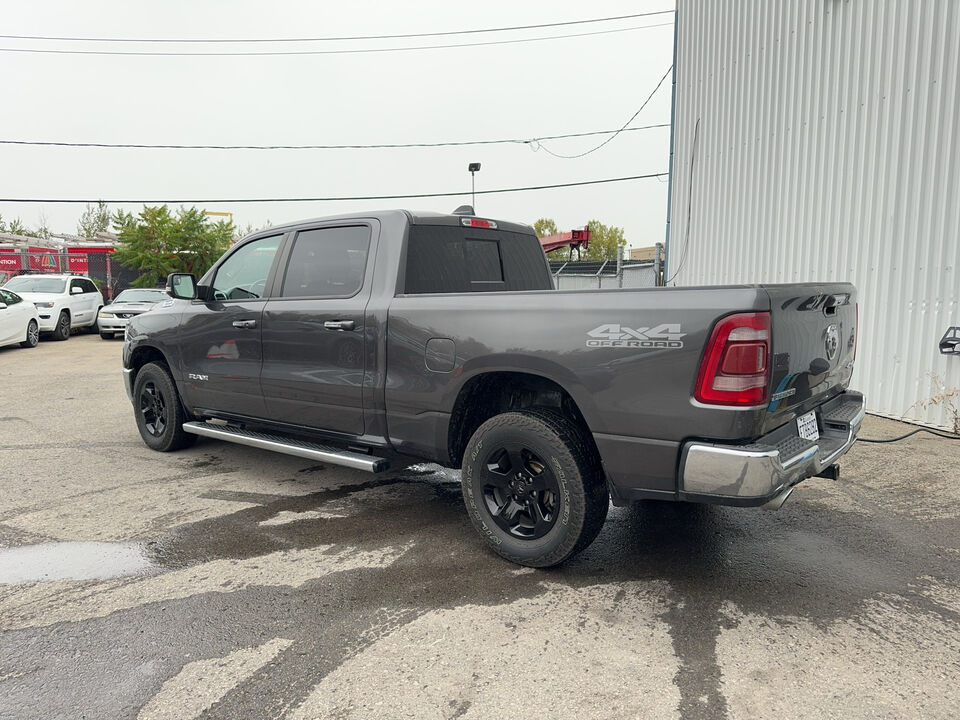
{"points": [[220, 339], [314, 344]]}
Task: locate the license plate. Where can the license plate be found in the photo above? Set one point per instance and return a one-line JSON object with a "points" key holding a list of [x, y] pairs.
{"points": [[807, 426]]}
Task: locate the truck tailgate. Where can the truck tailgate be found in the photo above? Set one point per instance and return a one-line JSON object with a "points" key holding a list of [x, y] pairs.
{"points": [[813, 346]]}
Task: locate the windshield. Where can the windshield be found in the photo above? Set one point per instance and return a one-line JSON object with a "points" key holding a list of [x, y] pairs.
{"points": [[36, 284], [141, 296]]}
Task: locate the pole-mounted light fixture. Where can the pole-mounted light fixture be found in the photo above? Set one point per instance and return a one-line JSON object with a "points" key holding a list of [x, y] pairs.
{"points": [[474, 168]]}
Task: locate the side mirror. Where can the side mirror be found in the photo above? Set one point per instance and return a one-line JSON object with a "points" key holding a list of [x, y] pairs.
{"points": [[950, 342], [3, 306], [75, 290], [182, 286]]}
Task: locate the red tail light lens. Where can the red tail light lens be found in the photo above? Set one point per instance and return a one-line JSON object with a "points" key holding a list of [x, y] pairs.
{"points": [[477, 223], [736, 365]]}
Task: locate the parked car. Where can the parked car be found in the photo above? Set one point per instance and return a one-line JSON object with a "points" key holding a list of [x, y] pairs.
{"points": [[64, 302], [394, 337], [113, 318], [19, 321]]}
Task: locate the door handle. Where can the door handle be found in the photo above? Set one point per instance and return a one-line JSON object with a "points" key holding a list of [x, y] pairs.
{"points": [[339, 324], [245, 324]]}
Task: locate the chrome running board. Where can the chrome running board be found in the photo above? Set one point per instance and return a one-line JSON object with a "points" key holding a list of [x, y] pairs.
{"points": [[289, 446]]}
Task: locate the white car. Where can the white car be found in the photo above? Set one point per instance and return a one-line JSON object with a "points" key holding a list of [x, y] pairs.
{"points": [[19, 321], [114, 317], [63, 301]]}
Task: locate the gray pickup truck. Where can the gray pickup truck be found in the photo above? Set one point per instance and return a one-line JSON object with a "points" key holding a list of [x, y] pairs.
{"points": [[381, 339]]}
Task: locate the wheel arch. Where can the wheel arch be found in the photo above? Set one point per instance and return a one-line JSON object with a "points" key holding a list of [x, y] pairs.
{"points": [[494, 392]]}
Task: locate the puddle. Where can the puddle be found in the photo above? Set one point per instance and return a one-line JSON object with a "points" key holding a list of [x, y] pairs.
{"points": [[71, 561]]}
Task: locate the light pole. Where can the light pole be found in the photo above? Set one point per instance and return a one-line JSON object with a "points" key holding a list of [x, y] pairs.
{"points": [[474, 168]]}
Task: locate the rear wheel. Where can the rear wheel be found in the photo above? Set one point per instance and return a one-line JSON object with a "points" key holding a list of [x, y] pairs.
{"points": [[33, 335], [106, 335], [533, 487], [62, 329], [160, 415]]}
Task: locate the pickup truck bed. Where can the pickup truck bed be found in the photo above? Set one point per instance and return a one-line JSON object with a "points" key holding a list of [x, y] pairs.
{"points": [[394, 337]]}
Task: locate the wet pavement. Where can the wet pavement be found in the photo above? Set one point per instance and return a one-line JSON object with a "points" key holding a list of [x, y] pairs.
{"points": [[227, 582]]}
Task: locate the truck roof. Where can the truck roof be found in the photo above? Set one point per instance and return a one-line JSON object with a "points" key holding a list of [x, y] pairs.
{"points": [[414, 217]]}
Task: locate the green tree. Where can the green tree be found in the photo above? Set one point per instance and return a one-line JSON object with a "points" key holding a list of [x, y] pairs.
{"points": [[159, 243], [95, 219], [604, 241], [545, 227], [16, 227]]}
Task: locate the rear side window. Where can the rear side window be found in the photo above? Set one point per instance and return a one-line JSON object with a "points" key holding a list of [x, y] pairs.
{"points": [[451, 259], [327, 262]]}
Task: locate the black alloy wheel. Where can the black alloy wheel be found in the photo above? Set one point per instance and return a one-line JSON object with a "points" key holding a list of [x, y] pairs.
{"points": [[153, 409], [159, 412], [534, 486], [520, 491]]}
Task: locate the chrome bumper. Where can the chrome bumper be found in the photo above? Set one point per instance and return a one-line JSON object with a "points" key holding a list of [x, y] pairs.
{"points": [[764, 472], [128, 383]]}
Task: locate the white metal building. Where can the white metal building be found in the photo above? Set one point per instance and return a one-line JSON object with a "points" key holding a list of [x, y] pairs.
{"points": [[828, 149]]}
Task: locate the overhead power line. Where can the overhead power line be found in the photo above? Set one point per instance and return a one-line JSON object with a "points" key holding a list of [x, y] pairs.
{"points": [[337, 38], [456, 143], [623, 127], [337, 199], [349, 51]]}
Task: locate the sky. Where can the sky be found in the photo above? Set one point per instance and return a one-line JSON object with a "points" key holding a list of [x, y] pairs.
{"points": [[522, 90]]}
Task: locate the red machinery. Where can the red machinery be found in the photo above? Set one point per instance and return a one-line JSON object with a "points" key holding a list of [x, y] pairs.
{"points": [[579, 239]]}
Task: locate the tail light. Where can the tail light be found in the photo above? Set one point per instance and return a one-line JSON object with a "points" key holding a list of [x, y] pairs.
{"points": [[736, 365]]}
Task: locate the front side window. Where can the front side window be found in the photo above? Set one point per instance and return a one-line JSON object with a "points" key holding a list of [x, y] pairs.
{"points": [[243, 275], [327, 262], [88, 286]]}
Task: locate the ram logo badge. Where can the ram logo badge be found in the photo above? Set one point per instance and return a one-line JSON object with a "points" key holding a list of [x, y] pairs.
{"points": [[662, 337]]}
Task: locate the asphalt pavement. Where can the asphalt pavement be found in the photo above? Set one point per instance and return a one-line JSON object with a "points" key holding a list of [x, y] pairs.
{"points": [[228, 582]]}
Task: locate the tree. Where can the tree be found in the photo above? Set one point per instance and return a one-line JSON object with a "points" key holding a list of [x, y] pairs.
{"points": [[544, 227], [159, 243], [16, 227], [604, 241], [95, 219]]}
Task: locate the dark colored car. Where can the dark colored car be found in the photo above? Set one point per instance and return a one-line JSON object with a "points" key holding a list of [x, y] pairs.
{"points": [[394, 337]]}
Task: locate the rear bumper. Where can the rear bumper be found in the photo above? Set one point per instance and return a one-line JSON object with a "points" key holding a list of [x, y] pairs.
{"points": [[765, 471]]}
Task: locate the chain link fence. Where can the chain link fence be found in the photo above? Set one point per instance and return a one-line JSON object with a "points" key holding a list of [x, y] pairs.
{"points": [[109, 276]]}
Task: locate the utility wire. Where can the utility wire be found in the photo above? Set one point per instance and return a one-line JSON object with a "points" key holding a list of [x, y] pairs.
{"points": [[944, 436], [334, 38], [325, 52], [622, 127], [340, 199], [517, 141]]}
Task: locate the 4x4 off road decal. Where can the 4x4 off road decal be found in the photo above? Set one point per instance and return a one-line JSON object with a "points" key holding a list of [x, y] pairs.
{"points": [[661, 337]]}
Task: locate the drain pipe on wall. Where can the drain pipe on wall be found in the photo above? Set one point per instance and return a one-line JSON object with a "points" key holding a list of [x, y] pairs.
{"points": [[673, 124]]}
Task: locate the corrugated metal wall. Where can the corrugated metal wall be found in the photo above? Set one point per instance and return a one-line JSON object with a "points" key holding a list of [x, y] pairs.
{"points": [[828, 149]]}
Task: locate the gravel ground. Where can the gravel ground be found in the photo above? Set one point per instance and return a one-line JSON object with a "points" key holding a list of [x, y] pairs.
{"points": [[227, 582]]}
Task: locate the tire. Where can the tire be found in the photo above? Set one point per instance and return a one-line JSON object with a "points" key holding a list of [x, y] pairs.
{"points": [[33, 335], [160, 415], [62, 330], [106, 335], [533, 487], [95, 328]]}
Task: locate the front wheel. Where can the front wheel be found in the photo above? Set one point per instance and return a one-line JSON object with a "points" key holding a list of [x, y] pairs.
{"points": [[534, 487], [62, 329], [33, 335], [160, 416]]}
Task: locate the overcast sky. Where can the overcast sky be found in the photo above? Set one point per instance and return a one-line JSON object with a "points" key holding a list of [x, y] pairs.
{"points": [[522, 90]]}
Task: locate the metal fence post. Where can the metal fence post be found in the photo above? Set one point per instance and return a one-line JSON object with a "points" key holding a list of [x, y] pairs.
{"points": [[619, 266]]}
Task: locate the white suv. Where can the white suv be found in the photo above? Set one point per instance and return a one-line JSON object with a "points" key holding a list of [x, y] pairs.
{"points": [[63, 301]]}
